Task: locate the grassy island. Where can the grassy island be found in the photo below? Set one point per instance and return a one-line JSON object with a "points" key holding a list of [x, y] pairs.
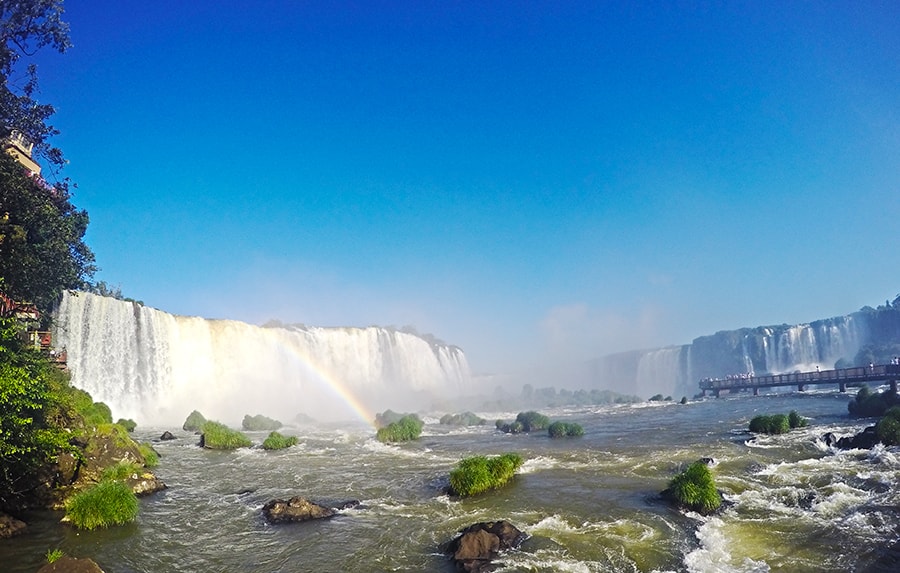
{"points": [[694, 489], [565, 430], [777, 423], [479, 473], [218, 436], [406, 429], [276, 441]]}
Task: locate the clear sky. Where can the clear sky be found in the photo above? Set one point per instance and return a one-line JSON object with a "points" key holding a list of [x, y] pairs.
{"points": [[535, 182]]}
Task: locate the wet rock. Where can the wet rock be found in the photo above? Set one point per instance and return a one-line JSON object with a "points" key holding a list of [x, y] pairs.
{"points": [[864, 440], [294, 509], [475, 549], [167, 435], [145, 483], [10, 526], [67, 564]]}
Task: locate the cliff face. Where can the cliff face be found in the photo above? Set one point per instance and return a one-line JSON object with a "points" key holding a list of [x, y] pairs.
{"points": [[676, 370]]}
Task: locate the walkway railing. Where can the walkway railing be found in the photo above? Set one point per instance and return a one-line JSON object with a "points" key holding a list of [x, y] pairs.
{"points": [[843, 377]]}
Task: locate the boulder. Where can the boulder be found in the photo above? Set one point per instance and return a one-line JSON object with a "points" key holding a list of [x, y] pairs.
{"points": [[864, 440], [167, 435], [474, 550], [294, 509], [145, 483], [66, 564], [10, 526]]}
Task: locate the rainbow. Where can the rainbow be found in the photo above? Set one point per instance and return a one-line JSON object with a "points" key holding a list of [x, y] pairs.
{"points": [[333, 385]]}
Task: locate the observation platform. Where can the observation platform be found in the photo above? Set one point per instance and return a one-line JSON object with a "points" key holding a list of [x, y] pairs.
{"points": [[843, 377]]}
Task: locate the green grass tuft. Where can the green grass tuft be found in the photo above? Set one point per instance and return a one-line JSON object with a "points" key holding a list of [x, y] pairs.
{"points": [[276, 441], [218, 436], [479, 473], [53, 555], [105, 504], [694, 489], [122, 470], [151, 457]]}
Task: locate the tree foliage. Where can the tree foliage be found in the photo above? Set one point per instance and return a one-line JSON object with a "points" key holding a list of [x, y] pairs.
{"points": [[29, 402], [42, 251], [25, 27]]}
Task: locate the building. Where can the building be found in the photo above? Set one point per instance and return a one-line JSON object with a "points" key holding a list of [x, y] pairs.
{"points": [[20, 147]]}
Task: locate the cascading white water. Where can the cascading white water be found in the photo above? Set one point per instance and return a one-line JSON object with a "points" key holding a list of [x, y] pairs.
{"points": [[156, 367], [805, 346], [658, 371]]}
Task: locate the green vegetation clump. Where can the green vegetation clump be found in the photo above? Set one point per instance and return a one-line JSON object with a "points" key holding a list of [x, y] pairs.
{"points": [[120, 471], [107, 503], [128, 424], [530, 421], [564, 429], [260, 423], [795, 420], [870, 405], [276, 441], [479, 473], [53, 555], [194, 422], [218, 436], [405, 429], [151, 457], [464, 419], [694, 489], [770, 424], [888, 428]]}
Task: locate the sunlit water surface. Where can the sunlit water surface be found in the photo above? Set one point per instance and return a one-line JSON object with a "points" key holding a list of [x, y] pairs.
{"points": [[590, 504]]}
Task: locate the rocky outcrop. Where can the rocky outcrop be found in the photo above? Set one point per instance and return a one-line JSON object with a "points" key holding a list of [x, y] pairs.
{"points": [[10, 526], [295, 509], [864, 440], [167, 435], [67, 564], [475, 549]]}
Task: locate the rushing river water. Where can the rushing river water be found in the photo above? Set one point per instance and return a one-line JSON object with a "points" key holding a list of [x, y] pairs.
{"points": [[589, 504]]}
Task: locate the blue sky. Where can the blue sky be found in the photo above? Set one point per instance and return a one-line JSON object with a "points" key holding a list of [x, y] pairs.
{"points": [[538, 183]]}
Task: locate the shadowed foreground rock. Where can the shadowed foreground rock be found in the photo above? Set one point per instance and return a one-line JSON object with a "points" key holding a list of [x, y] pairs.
{"points": [[295, 509], [479, 544], [10, 526], [67, 564]]}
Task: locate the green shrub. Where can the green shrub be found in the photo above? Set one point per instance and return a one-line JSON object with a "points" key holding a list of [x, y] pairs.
{"points": [[54, 555], [276, 441], [563, 429], [194, 422], [128, 424], [479, 473], [795, 420], [405, 429], [888, 428], [107, 503], [694, 489], [218, 436], [151, 457], [464, 419], [260, 423], [774, 424], [532, 421]]}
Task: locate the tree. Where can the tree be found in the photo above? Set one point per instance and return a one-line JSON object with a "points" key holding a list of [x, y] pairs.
{"points": [[25, 27], [42, 251]]}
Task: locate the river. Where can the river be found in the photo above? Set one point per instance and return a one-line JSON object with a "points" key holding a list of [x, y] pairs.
{"points": [[589, 504]]}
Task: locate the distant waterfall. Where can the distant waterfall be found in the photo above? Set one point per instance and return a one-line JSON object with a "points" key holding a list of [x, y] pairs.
{"points": [[156, 367]]}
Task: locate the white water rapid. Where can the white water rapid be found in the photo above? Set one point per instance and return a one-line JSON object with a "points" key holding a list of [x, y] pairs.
{"points": [[156, 368]]}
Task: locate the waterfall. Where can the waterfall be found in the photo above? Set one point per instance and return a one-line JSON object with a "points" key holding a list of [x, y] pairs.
{"points": [[156, 367]]}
